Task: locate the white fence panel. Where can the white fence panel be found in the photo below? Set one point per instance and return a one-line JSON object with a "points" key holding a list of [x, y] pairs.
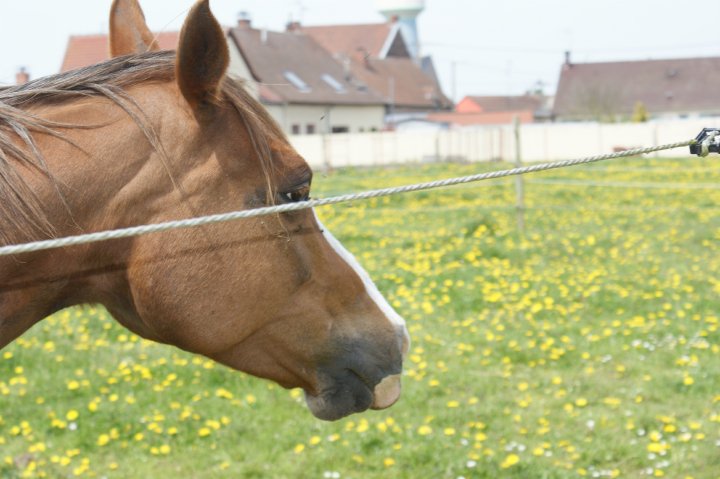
{"points": [[539, 142]]}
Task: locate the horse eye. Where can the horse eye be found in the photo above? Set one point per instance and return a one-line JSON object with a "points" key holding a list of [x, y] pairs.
{"points": [[297, 195]]}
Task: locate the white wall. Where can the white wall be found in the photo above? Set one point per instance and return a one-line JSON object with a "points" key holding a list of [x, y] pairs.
{"points": [[239, 69], [539, 142], [325, 117]]}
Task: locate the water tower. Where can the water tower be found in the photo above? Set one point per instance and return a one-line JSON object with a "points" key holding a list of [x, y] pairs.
{"points": [[406, 13]]}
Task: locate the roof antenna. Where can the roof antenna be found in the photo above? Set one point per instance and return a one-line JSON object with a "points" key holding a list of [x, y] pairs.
{"points": [[300, 10]]}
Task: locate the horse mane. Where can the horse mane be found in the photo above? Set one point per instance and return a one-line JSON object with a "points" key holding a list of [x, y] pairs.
{"points": [[21, 214]]}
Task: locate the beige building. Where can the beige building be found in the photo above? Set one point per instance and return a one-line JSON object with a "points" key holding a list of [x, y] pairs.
{"points": [[303, 87]]}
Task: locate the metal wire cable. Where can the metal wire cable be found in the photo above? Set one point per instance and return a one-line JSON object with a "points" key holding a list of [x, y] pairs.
{"points": [[236, 215]]}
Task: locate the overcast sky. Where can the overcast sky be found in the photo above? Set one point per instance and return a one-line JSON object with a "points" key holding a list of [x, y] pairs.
{"points": [[494, 46]]}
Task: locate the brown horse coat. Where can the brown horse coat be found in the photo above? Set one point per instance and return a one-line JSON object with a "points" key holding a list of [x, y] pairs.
{"points": [[150, 137]]}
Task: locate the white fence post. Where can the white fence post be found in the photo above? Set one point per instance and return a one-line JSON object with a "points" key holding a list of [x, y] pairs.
{"points": [[519, 183]]}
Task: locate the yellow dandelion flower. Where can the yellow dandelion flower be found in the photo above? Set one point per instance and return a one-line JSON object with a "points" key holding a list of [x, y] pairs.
{"points": [[363, 425], [657, 447], [510, 461], [389, 462], [299, 448], [424, 430]]}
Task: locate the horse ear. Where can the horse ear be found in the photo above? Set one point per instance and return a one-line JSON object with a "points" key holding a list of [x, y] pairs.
{"points": [[129, 33], [202, 57]]}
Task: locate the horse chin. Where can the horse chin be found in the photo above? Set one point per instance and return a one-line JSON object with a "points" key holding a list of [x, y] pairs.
{"points": [[352, 395]]}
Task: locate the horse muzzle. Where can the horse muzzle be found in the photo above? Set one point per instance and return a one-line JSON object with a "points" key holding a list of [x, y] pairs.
{"points": [[363, 377]]}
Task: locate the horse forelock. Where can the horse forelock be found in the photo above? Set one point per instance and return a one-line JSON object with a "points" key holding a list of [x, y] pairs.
{"points": [[21, 214]]}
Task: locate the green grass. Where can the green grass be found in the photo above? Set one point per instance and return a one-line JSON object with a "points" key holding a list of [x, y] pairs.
{"points": [[590, 347]]}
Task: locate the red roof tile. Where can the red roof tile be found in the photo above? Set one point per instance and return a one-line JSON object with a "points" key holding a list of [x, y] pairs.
{"points": [[85, 50], [487, 104], [348, 39], [492, 118]]}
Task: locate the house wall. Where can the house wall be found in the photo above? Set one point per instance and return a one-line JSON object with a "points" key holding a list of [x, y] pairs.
{"points": [[238, 68], [324, 117], [539, 142]]}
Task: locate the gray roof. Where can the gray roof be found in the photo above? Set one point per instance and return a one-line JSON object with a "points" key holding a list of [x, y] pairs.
{"points": [[292, 67], [596, 90]]}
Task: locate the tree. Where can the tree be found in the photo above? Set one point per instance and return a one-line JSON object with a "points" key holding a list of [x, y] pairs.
{"points": [[640, 113]]}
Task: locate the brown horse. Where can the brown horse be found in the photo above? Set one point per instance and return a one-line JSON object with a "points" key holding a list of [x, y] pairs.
{"points": [[152, 136]]}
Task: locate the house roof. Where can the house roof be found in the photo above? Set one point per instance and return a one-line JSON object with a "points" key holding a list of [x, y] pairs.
{"points": [[85, 50], [401, 82], [378, 57], [489, 118], [489, 104], [347, 40], [663, 86], [292, 67]]}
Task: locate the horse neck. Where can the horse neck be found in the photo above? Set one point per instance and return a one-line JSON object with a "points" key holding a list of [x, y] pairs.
{"points": [[101, 177]]}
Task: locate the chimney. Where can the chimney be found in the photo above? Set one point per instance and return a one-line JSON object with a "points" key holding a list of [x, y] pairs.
{"points": [[293, 27], [568, 61], [22, 76], [244, 20]]}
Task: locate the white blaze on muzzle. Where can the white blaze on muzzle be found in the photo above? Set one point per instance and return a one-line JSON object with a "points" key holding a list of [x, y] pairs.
{"points": [[370, 287], [387, 392]]}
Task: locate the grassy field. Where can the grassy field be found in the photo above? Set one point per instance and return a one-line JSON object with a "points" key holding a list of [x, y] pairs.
{"points": [[590, 347]]}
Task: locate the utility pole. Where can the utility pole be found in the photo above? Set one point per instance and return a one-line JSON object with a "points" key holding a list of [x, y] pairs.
{"points": [[391, 97], [454, 80]]}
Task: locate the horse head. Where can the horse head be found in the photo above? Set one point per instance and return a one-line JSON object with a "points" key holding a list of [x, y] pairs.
{"points": [[277, 297]]}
